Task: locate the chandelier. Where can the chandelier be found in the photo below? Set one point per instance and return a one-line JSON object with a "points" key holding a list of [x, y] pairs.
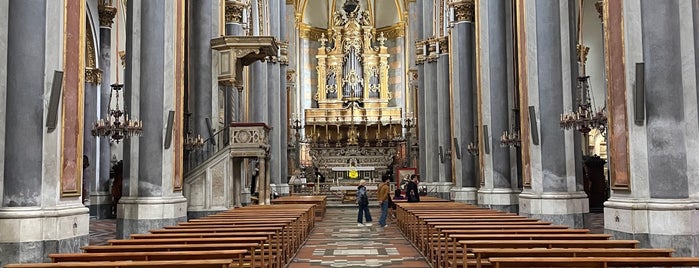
{"points": [[510, 139], [585, 118], [193, 143], [117, 124]]}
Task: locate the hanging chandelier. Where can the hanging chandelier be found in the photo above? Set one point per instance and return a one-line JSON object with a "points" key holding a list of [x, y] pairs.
{"points": [[193, 143], [585, 118], [117, 124]]}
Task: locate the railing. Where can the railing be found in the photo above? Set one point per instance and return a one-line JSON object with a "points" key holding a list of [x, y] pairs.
{"points": [[212, 145]]}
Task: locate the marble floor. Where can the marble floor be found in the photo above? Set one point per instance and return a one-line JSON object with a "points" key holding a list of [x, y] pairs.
{"points": [[337, 241]]}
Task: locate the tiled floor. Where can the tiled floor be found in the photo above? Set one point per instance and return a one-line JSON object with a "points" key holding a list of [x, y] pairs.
{"points": [[337, 241]]}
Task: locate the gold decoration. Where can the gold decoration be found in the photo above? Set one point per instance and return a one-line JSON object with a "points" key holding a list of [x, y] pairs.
{"points": [[90, 54], [106, 14], [122, 57], [582, 51], [420, 51], [393, 31], [93, 75], [309, 32], [432, 53], [463, 10], [443, 43], [599, 6], [283, 53], [234, 11]]}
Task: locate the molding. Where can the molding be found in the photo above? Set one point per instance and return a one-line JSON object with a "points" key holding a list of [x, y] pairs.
{"points": [[309, 32], [392, 32]]}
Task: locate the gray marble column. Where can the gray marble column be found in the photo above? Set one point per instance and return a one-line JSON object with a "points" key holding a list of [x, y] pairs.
{"points": [[24, 111], [555, 190], [496, 192], [234, 27], [90, 112], [464, 94], [101, 201], [428, 119], [276, 117], [201, 84], [30, 153], [283, 186], [149, 200], [443, 107], [662, 184]]}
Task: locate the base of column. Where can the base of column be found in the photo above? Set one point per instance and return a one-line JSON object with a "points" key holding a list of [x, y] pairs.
{"points": [[281, 189], [464, 195], [101, 205], [502, 199], [560, 208], [245, 197], [655, 223], [138, 215], [30, 234], [437, 189]]}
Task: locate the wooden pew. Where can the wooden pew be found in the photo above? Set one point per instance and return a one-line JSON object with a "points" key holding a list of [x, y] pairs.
{"points": [[236, 255], [596, 262], [223, 263], [250, 247], [319, 201], [483, 254], [472, 244]]}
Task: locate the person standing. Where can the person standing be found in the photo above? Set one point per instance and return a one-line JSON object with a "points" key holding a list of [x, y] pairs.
{"points": [[411, 189], [363, 202], [384, 200]]}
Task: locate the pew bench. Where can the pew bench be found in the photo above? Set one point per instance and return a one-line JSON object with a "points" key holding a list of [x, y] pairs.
{"points": [[223, 263], [596, 262], [236, 255], [481, 255]]}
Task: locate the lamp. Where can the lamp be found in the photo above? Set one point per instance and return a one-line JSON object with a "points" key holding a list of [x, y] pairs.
{"points": [[408, 124], [116, 124], [585, 118], [193, 143]]}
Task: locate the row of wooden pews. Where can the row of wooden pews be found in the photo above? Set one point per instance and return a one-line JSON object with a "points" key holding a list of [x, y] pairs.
{"points": [[463, 235], [253, 236]]}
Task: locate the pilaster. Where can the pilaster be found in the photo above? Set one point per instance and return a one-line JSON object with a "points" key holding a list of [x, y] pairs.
{"points": [[552, 182], [653, 195]]}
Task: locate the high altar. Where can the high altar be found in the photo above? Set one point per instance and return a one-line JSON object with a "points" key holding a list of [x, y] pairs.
{"points": [[353, 123]]}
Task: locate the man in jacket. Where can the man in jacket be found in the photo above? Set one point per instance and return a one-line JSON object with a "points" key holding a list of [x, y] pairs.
{"points": [[383, 198]]}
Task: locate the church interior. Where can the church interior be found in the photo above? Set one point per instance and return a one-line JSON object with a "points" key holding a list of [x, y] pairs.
{"points": [[153, 116]]}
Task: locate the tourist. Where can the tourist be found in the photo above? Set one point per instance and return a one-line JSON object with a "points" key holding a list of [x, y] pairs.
{"points": [[384, 200], [363, 202], [412, 190]]}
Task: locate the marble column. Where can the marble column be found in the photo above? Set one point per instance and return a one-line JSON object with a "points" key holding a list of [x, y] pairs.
{"points": [[100, 197], [495, 47], [201, 83], [654, 185], [234, 27], [150, 199], [31, 156], [276, 117], [429, 141], [464, 103], [552, 179], [283, 185]]}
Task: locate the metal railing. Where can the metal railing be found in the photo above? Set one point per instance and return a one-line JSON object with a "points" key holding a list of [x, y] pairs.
{"points": [[219, 141]]}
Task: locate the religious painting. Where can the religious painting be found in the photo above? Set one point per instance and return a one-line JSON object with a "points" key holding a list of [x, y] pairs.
{"points": [[404, 175]]}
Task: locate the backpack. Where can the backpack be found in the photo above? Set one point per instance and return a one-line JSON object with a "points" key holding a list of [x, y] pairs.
{"points": [[363, 199]]}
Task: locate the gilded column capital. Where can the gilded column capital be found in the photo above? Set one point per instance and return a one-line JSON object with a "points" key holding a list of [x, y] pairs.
{"points": [[283, 52], [234, 11], [432, 49], [582, 51], [420, 51], [599, 6], [106, 14], [463, 10], [93, 75], [443, 45]]}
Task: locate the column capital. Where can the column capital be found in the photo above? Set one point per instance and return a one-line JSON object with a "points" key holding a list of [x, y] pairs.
{"points": [[234, 11], [283, 52], [463, 10], [582, 51], [106, 14], [420, 51], [599, 6], [93, 75]]}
